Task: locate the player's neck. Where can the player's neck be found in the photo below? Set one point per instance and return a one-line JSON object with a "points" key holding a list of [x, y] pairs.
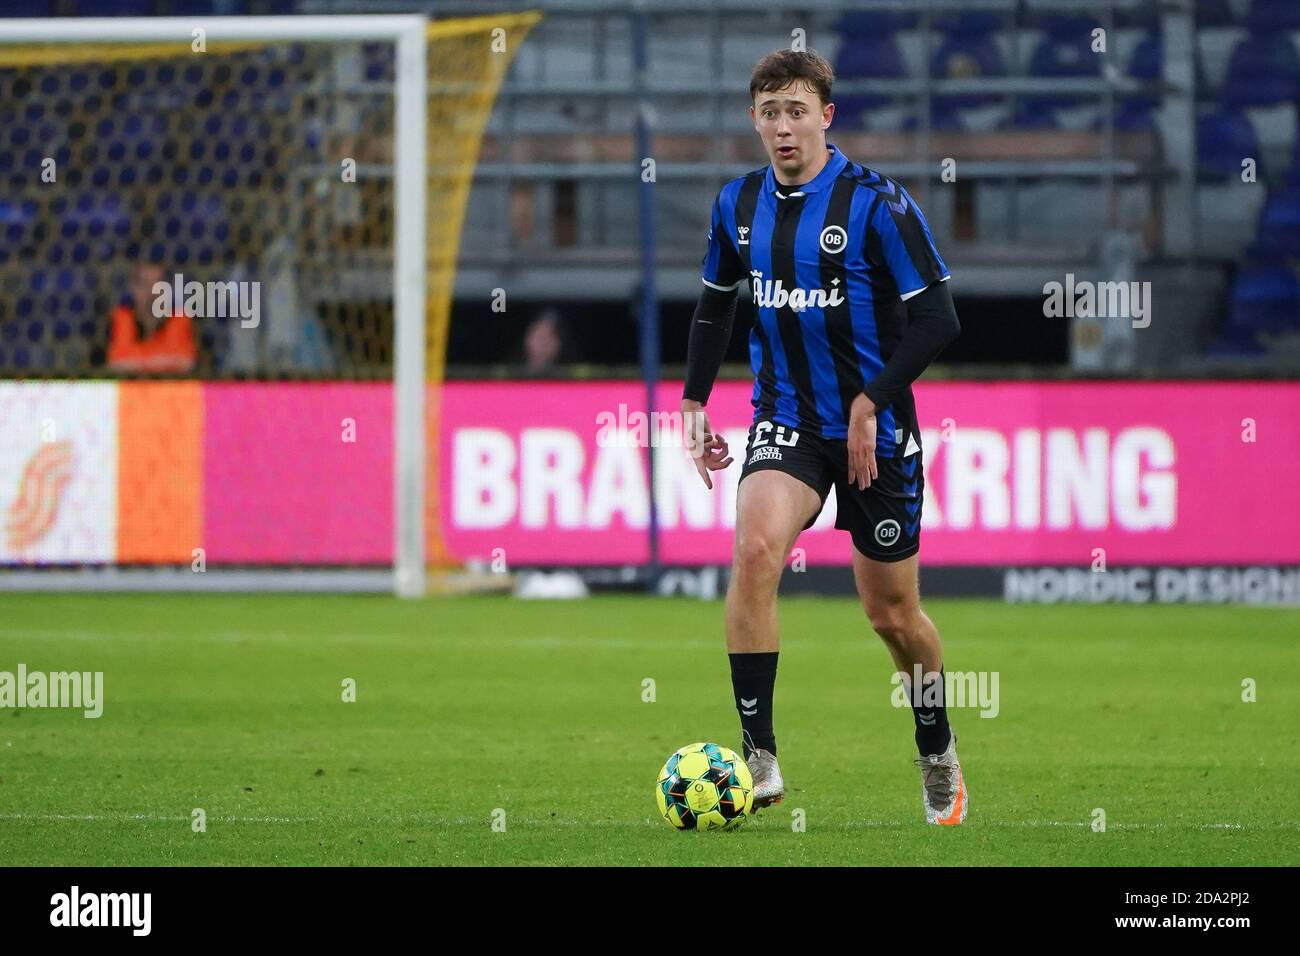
{"points": [[810, 172]]}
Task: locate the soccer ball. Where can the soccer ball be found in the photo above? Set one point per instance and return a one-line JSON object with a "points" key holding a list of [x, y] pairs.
{"points": [[705, 787]]}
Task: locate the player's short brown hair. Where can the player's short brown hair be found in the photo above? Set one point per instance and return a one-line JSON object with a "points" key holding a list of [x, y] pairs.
{"points": [[780, 67]]}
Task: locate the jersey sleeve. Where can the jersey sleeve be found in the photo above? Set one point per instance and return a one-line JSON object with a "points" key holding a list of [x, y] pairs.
{"points": [[722, 268], [903, 241]]}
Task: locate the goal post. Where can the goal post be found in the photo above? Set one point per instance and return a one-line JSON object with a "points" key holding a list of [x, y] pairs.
{"points": [[107, 153]]}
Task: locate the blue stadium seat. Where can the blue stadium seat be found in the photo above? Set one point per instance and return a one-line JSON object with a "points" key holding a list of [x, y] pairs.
{"points": [[1234, 343], [93, 214], [215, 8], [1214, 13], [115, 8], [29, 8], [1223, 140], [1131, 116], [1030, 115], [378, 58], [860, 23], [1147, 61], [1068, 27], [1146, 65], [16, 220], [971, 23], [1279, 222], [966, 57], [866, 58], [1209, 13], [1263, 71], [1265, 299], [1268, 16], [1064, 56]]}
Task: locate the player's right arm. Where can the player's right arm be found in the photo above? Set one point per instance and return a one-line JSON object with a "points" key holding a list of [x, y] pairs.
{"points": [[723, 273]]}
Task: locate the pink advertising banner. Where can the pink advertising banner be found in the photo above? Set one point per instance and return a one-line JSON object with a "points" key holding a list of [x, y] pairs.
{"points": [[298, 473], [1016, 473]]}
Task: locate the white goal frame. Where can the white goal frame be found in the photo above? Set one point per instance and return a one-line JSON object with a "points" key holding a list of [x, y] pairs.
{"points": [[408, 34]]}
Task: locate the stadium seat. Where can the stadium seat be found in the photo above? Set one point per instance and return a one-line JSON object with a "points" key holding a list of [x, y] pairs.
{"points": [[1068, 26], [1235, 343], [1279, 223], [115, 8], [29, 8], [861, 23], [1147, 61], [1265, 299], [1063, 56], [1209, 13], [17, 218], [1223, 140], [866, 58], [1263, 71], [1269, 16], [216, 8], [1032, 115], [970, 24], [92, 215], [1146, 65], [1214, 13], [1132, 116], [962, 58]]}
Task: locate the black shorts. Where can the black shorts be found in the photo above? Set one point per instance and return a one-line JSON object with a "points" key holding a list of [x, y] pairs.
{"points": [[884, 520]]}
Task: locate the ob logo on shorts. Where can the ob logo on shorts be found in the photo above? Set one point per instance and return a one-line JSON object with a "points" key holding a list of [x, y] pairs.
{"points": [[888, 533]]}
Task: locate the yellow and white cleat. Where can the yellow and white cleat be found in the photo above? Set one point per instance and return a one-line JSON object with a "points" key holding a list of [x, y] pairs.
{"points": [[943, 789]]}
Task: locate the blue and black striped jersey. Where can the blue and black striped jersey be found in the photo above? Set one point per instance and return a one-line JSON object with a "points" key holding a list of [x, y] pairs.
{"points": [[830, 266]]}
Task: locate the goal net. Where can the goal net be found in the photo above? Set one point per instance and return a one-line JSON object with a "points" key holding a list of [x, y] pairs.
{"points": [[228, 255]]}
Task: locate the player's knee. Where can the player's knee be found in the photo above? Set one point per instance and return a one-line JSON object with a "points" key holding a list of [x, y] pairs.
{"points": [[758, 554], [891, 617]]}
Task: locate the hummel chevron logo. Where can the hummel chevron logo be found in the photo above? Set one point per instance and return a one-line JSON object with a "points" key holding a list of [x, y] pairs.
{"points": [[900, 205], [749, 703], [926, 720]]}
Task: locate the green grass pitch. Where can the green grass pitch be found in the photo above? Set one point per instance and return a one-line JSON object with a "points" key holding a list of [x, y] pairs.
{"points": [[233, 705]]}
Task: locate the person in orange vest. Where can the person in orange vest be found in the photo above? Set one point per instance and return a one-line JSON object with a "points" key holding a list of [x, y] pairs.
{"points": [[139, 340]]}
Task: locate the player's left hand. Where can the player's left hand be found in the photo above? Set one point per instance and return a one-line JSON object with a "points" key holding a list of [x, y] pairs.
{"points": [[707, 448], [862, 442]]}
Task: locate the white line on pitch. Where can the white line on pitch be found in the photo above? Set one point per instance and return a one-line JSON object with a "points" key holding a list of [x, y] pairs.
{"points": [[475, 821]]}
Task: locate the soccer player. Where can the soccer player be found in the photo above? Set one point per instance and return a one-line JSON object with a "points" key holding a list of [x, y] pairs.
{"points": [[851, 305]]}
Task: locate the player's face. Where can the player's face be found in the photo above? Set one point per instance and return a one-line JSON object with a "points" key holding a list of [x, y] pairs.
{"points": [[792, 122]]}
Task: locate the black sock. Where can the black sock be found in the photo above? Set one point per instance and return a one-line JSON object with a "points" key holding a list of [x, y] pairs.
{"points": [[753, 678], [932, 730]]}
